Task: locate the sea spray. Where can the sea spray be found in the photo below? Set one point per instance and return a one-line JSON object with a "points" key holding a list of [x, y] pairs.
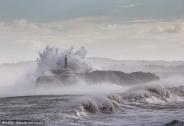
{"points": [[53, 59]]}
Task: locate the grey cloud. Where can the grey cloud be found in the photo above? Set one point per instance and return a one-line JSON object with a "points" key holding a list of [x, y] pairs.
{"points": [[99, 35]]}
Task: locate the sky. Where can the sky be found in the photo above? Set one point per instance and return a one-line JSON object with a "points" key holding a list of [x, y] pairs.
{"points": [[118, 29]]}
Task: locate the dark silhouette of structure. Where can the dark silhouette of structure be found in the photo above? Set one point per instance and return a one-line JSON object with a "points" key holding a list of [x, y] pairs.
{"points": [[66, 61]]}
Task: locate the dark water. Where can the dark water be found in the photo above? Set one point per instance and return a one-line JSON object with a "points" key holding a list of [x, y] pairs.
{"points": [[66, 110]]}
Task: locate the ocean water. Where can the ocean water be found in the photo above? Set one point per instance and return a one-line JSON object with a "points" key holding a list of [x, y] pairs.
{"points": [[159, 103], [92, 110]]}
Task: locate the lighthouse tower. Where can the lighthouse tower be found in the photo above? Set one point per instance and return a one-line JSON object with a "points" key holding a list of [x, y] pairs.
{"points": [[66, 61]]}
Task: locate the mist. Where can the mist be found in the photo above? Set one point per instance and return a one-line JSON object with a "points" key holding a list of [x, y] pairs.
{"points": [[19, 79]]}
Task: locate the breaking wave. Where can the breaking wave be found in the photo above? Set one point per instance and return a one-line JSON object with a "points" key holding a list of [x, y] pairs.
{"points": [[53, 59], [145, 97]]}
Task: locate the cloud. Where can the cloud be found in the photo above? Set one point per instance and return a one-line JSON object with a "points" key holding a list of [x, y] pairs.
{"points": [[22, 39], [131, 5]]}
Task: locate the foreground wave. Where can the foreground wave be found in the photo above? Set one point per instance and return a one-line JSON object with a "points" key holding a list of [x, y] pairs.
{"points": [[141, 104], [148, 97]]}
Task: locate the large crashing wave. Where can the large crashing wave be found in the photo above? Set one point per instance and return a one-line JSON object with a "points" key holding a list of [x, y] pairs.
{"points": [[145, 97], [52, 59]]}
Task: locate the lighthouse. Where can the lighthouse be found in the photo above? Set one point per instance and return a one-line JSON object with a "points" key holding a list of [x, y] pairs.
{"points": [[66, 61]]}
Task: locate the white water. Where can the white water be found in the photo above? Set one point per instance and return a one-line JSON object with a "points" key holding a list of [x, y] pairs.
{"points": [[91, 103]]}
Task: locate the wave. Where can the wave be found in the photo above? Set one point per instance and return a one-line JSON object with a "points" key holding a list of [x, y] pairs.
{"points": [[155, 94], [150, 96]]}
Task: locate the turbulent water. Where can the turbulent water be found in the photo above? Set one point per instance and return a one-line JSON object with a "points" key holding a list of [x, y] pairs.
{"points": [[155, 103], [145, 105], [112, 110]]}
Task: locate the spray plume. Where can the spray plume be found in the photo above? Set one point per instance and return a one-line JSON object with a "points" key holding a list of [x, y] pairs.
{"points": [[53, 59]]}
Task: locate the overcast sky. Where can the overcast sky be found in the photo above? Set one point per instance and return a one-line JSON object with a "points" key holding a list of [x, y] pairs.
{"points": [[119, 29]]}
